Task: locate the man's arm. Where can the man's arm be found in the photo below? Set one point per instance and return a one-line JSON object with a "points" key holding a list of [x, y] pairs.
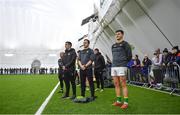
{"points": [[81, 66], [92, 57], [103, 62], [79, 62], [88, 63]]}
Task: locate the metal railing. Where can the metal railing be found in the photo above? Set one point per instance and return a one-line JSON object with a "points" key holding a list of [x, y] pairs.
{"points": [[165, 78]]}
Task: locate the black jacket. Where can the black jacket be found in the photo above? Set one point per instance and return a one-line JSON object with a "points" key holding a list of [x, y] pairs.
{"points": [[166, 58], [99, 63], [69, 59], [147, 62]]}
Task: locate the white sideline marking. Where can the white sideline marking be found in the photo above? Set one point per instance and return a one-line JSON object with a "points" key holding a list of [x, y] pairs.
{"points": [[41, 108]]}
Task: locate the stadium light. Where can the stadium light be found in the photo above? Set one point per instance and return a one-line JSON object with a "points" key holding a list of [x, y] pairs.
{"points": [[8, 55]]}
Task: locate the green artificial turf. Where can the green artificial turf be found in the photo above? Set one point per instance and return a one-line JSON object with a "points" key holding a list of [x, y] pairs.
{"points": [[24, 94], [141, 101]]}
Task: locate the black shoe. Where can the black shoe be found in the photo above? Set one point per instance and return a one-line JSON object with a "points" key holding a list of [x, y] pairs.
{"points": [[73, 97], [65, 97]]}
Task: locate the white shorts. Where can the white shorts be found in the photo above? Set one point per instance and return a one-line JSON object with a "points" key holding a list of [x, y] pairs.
{"points": [[118, 71]]}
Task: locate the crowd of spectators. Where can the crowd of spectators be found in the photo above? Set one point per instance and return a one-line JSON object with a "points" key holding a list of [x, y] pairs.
{"points": [[155, 67]]}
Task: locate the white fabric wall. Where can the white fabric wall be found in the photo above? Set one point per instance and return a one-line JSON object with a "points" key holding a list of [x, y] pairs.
{"points": [[147, 24]]}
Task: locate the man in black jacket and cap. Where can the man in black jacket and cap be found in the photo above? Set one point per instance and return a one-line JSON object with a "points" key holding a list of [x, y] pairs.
{"points": [[69, 67], [99, 65], [166, 58]]}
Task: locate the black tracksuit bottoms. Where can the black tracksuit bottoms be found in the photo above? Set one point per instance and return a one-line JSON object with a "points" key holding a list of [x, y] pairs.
{"points": [[60, 76], [69, 78], [89, 75], [99, 78]]}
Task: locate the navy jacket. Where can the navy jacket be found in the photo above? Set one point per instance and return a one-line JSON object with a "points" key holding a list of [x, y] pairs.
{"points": [[99, 63], [121, 53]]}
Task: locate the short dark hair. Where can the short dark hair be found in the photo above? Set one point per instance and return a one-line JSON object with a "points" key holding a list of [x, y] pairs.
{"points": [[87, 41], [96, 49], [68, 42], [120, 31]]}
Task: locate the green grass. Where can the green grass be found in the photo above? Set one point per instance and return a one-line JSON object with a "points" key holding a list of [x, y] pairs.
{"points": [[24, 94], [140, 101]]}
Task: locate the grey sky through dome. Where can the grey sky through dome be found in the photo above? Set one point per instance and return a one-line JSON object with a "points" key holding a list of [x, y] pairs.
{"points": [[33, 29]]}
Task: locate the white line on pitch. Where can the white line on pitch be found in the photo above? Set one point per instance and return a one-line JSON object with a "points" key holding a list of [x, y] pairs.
{"points": [[41, 108]]}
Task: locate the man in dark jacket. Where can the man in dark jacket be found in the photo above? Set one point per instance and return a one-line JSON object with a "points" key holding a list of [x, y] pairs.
{"points": [[61, 72], [166, 58], [99, 66], [69, 67]]}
